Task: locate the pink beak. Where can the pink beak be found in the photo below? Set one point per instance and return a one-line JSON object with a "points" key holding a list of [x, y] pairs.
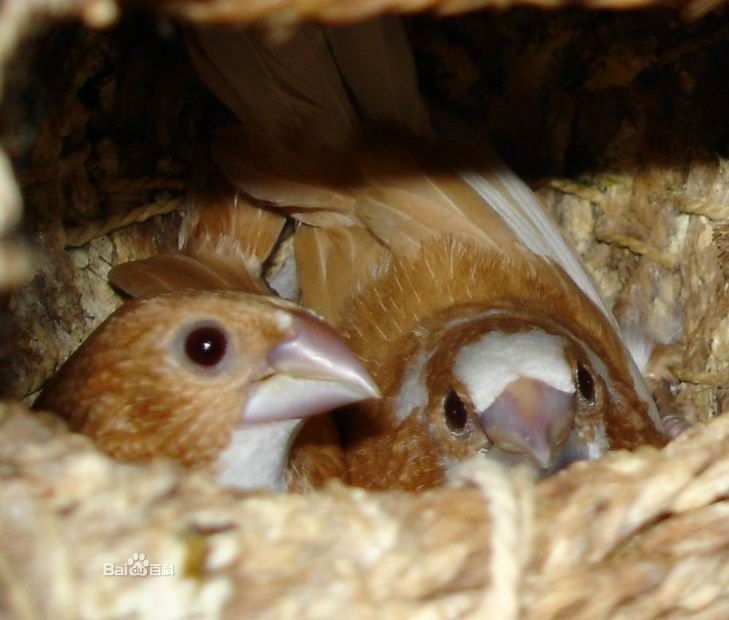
{"points": [[530, 417], [314, 372]]}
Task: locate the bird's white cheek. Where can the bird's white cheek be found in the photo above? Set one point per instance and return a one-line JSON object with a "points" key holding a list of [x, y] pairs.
{"points": [[594, 442], [257, 455], [599, 445]]}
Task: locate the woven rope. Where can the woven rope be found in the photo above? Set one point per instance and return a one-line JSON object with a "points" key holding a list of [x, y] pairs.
{"points": [[81, 235], [641, 248], [701, 378], [285, 12], [708, 209], [509, 495], [642, 535]]}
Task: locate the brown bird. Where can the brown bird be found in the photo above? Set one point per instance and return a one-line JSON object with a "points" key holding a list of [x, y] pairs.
{"points": [[481, 326], [196, 369]]}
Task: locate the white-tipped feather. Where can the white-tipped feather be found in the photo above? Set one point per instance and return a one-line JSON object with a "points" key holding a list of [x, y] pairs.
{"points": [[521, 210], [640, 347]]}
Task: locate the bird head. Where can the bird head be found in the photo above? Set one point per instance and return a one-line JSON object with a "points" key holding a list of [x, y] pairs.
{"points": [[174, 375], [484, 352], [514, 385]]}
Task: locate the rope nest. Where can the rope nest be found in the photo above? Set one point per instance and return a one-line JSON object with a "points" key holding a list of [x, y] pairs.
{"points": [[278, 13], [643, 535]]}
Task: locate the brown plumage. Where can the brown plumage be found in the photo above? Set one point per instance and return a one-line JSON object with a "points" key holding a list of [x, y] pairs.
{"points": [[452, 293], [206, 366], [479, 322], [132, 387]]}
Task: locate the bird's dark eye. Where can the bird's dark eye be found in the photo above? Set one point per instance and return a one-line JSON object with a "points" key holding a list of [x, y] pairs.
{"points": [[585, 383], [455, 412], [205, 346]]}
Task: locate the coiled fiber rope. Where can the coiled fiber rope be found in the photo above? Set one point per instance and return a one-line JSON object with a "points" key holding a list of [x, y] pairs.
{"points": [[642, 535]]}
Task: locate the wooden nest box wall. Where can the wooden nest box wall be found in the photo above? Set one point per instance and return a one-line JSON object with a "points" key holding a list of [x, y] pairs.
{"points": [[616, 119]]}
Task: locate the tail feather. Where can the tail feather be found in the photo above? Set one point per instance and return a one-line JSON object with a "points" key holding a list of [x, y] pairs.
{"points": [[285, 92], [313, 189], [399, 202], [383, 79]]}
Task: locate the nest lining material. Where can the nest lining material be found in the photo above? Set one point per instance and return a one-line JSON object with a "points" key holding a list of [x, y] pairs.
{"points": [[640, 535], [634, 535]]}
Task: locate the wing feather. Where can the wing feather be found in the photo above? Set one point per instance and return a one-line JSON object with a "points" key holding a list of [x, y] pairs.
{"points": [[224, 241], [510, 197], [174, 272], [387, 60], [295, 89], [285, 92], [286, 177], [383, 80], [332, 263]]}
